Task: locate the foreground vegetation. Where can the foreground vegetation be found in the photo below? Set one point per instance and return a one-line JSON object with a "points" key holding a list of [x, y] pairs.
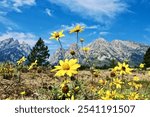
{"points": [[39, 83]]}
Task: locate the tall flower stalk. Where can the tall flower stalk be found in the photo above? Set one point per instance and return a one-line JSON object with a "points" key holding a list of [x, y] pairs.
{"points": [[76, 30], [57, 36]]}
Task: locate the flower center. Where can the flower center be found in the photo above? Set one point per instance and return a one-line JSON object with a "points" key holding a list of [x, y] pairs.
{"points": [[123, 68], [57, 35], [66, 66]]}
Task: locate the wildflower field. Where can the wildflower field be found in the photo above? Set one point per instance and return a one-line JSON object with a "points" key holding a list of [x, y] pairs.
{"points": [[67, 81]]}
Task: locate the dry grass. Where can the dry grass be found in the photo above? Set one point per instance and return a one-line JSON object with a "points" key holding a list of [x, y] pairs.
{"points": [[40, 85]]}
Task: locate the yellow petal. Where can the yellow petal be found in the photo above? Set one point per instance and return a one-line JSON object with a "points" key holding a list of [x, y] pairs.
{"points": [[74, 67]]}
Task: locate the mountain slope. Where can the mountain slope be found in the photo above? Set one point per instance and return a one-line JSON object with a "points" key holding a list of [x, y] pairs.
{"points": [[103, 52], [12, 50]]}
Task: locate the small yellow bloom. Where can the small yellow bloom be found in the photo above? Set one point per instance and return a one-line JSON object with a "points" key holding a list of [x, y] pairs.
{"points": [[136, 78], [133, 96], [22, 60], [102, 82], [117, 82], [137, 86], [32, 65], [85, 49], [72, 97], [130, 83], [141, 65], [81, 40], [108, 95], [77, 29], [57, 35], [22, 93], [101, 91], [149, 73], [123, 68], [68, 67], [65, 82]]}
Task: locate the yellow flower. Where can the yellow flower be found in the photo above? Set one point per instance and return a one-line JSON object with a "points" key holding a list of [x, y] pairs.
{"points": [[102, 82], [93, 89], [23, 93], [130, 83], [120, 96], [77, 29], [65, 82], [101, 91], [141, 65], [68, 67], [137, 86], [85, 49], [117, 82], [109, 95], [149, 73], [123, 68], [22, 60], [57, 35], [72, 97], [133, 96], [136, 78], [32, 65]]}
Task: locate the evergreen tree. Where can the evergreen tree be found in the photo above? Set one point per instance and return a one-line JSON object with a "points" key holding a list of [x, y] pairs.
{"points": [[147, 58], [40, 53]]}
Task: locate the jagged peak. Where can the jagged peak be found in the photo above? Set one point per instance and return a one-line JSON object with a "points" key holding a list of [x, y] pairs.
{"points": [[101, 40], [23, 43], [8, 40]]}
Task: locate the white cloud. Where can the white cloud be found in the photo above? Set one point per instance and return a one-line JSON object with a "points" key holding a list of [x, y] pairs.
{"points": [[68, 27], [99, 10], [48, 41], [48, 11], [103, 33], [28, 38], [92, 33], [9, 5], [12, 5], [7, 22], [19, 3]]}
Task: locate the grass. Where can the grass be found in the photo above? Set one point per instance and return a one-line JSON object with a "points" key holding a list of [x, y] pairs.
{"points": [[84, 86]]}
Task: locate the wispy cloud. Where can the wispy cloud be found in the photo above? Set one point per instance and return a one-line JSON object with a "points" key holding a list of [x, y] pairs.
{"points": [[21, 37], [68, 27], [16, 4], [104, 33], [99, 10], [48, 12], [7, 6], [28, 38], [92, 33], [7, 22]]}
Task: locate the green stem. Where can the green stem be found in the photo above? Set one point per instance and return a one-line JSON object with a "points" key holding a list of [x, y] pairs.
{"points": [[62, 51], [78, 45], [77, 38]]}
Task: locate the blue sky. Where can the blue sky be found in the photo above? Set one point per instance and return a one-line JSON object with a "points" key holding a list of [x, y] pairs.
{"points": [[27, 20]]}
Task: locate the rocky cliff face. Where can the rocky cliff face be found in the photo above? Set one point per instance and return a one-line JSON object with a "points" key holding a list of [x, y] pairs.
{"points": [[12, 50], [103, 52]]}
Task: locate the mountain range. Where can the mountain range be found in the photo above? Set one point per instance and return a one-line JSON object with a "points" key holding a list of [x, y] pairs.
{"points": [[103, 52], [12, 50]]}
